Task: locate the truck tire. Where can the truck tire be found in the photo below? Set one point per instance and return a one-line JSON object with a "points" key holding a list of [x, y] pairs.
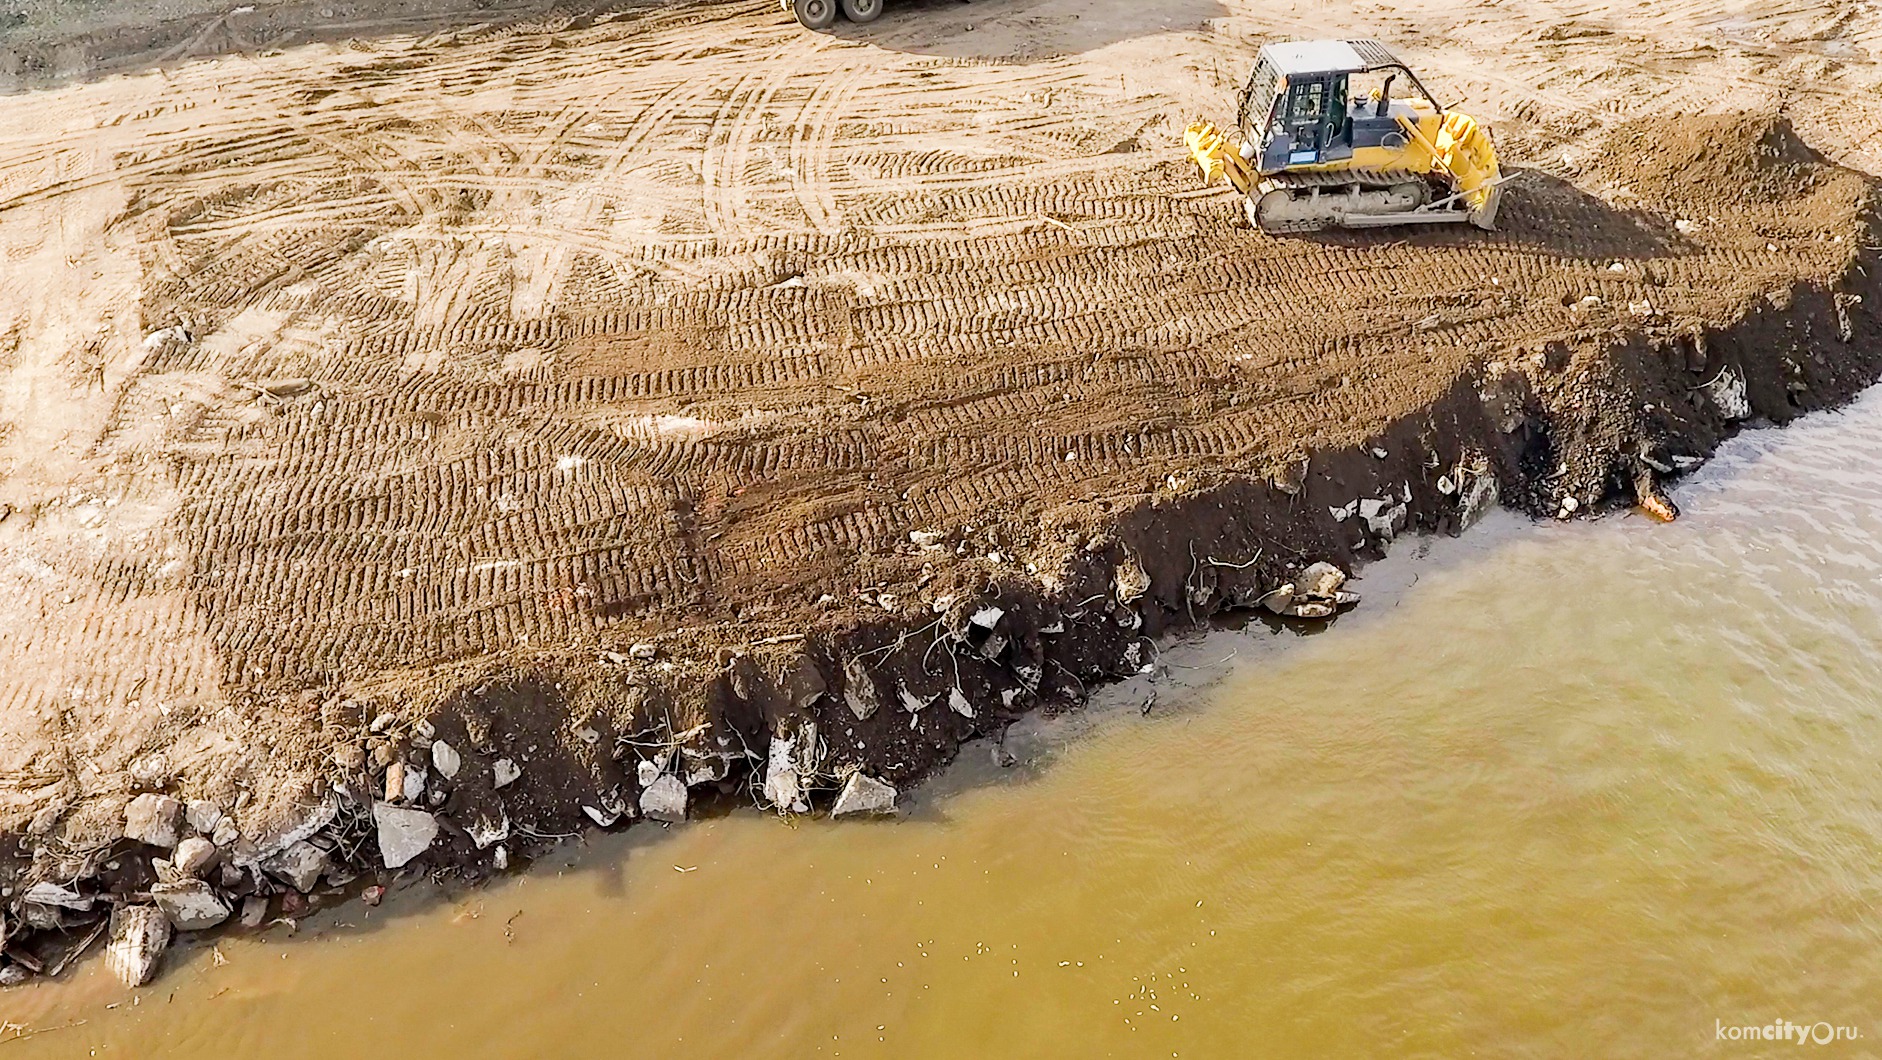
{"points": [[862, 10], [815, 14]]}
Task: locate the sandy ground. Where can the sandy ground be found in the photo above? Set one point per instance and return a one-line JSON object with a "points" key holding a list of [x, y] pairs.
{"points": [[342, 345]]}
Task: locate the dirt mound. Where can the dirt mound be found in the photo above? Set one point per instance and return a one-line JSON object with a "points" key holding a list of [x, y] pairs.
{"points": [[1706, 162]]}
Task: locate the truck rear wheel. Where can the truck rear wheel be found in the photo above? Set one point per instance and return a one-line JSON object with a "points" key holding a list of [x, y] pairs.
{"points": [[862, 10], [815, 14]]}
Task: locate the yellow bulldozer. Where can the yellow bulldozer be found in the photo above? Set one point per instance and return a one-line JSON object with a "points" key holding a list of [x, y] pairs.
{"points": [[1325, 143]]}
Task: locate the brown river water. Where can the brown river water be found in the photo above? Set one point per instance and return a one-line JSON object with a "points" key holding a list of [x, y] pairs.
{"points": [[1601, 789]]}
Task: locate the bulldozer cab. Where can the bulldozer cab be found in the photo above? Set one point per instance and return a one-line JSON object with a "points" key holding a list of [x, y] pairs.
{"points": [[1299, 107]]}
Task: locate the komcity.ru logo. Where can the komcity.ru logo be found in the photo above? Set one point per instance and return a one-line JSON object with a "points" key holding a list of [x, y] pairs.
{"points": [[1819, 1033]]}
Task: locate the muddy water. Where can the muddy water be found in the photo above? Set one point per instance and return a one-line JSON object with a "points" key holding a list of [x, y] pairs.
{"points": [[1553, 791]]}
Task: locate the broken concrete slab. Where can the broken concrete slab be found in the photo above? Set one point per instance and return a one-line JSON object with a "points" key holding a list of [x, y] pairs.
{"points": [[664, 800], [191, 905], [299, 866], [404, 833], [864, 795]]}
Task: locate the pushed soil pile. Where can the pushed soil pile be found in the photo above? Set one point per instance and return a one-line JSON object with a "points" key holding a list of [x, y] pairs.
{"points": [[487, 434]]}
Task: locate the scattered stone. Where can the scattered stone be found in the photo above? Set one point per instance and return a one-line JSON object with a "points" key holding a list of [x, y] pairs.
{"points": [[404, 833], [783, 787], [1476, 499], [254, 910], [151, 771], [926, 538], [1312, 609], [13, 974], [501, 859], [664, 800], [373, 895], [139, 935], [226, 833], [1130, 580], [203, 816], [864, 795], [805, 683], [957, 702], [445, 759], [1727, 391], [1322, 579], [414, 789], [299, 866], [349, 756], [505, 771], [987, 617], [395, 782], [194, 855], [191, 905], [381, 723], [484, 832], [153, 819], [859, 690], [650, 769], [642, 652], [52, 894]]}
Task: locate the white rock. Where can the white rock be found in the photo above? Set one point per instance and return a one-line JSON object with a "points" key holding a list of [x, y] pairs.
{"points": [[957, 702], [1279, 600], [859, 690], [194, 855], [783, 788], [1727, 391], [483, 832], [445, 759], [926, 538], [1321, 579], [505, 772], [203, 815], [414, 788], [139, 935], [910, 701], [664, 800], [648, 770], [404, 833], [1477, 499], [501, 859], [190, 905], [52, 894], [987, 617], [226, 832], [299, 866], [641, 651], [153, 819], [862, 795]]}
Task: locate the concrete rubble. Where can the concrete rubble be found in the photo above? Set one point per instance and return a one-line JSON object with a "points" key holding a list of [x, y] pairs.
{"points": [[194, 856], [191, 905], [404, 833], [153, 819], [299, 865], [864, 795], [139, 935], [664, 800]]}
